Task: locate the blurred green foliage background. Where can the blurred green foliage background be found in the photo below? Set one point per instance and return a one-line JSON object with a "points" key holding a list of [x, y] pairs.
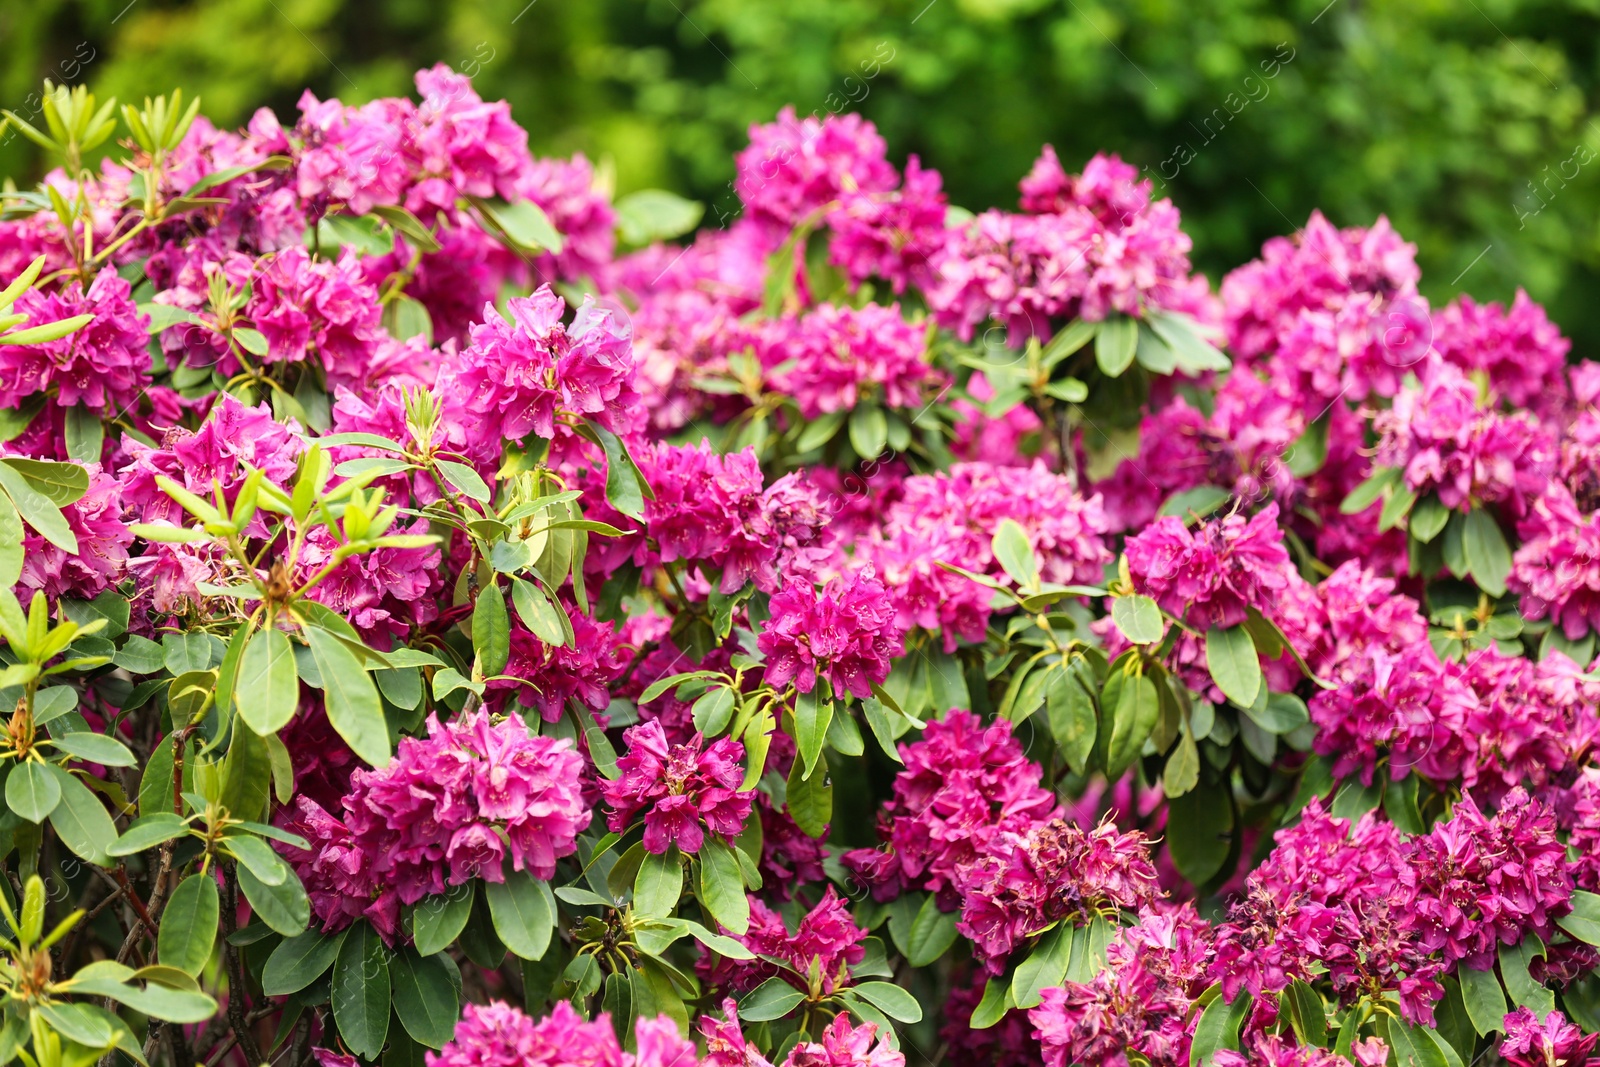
{"points": [[1464, 121]]}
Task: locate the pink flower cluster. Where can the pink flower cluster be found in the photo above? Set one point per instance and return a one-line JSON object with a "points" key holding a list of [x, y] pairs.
{"points": [[831, 358], [682, 790], [826, 936], [449, 808], [846, 633]]}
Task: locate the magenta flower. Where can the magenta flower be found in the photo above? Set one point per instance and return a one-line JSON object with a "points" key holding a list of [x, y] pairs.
{"points": [[449, 808], [499, 1035], [323, 308], [794, 166], [103, 540], [847, 634], [1208, 576], [102, 366], [826, 936], [831, 357], [1556, 569], [1528, 1042], [964, 787], [1519, 349], [683, 790], [519, 375], [843, 1045]]}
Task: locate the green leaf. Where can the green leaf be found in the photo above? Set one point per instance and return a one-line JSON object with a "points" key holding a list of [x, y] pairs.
{"points": [[246, 776], [810, 800], [149, 831], [1198, 825], [651, 215], [1138, 617], [1015, 553], [426, 997], [659, 884], [189, 924], [1515, 962], [163, 1002], [298, 961], [360, 991], [438, 920], [491, 630], [80, 820], [1368, 492], [1307, 1014], [1044, 968], [626, 488], [155, 785], [267, 687], [524, 224], [524, 913], [1396, 507], [722, 886], [540, 616], [1072, 719], [409, 225], [354, 707], [931, 935], [890, 999], [1485, 1001], [61, 483], [1182, 771], [1231, 658], [1583, 923], [1218, 1028], [1280, 713], [1116, 344], [259, 857], [1153, 353], [713, 710], [85, 435], [1488, 556], [1136, 709], [37, 510], [1191, 505], [282, 907], [1428, 518], [869, 431], [993, 1006], [1410, 1047], [464, 480], [32, 791], [1195, 355], [820, 431], [11, 536], [772, 999], [96, 748], [811, 721]]}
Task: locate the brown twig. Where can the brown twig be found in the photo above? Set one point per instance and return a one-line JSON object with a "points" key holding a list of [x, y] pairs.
{"points": [[236, 1008]]}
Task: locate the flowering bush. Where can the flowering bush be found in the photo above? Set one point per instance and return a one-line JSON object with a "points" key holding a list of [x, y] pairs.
{"points": [[445, 622]]}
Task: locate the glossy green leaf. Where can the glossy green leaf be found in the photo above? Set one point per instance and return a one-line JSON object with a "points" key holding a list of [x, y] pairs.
{"points": [[426, 1000], [298, 961], [438, 920], [1234, 665], [524, 913], [1138, 618], [267, 686], [189, 924], [352, 701], [491, 630], [360, 992]]}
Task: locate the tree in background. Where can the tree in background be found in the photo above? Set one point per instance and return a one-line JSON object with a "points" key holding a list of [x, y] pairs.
{"points": [[1467, 122]]}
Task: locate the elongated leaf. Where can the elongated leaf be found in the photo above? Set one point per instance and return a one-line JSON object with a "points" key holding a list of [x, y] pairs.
{"points": [[38, 510], [353, 705], [299, 961], [267, 687], [491, 630], [932, 933], [1583, 923], [626, 488], [259, 857], [465, 480], [284, 908], [1072, 719], [1136, 710], [524, 913], [149, 831], [811, 721], [722, 886], [80, 820], [1515, 964], [658, 884], [1218, 1028], [1116, 344], [1138, 618], [1488, 555], [360, 991], [1234, 665], [96, 748], [439, 920], [1015, 553], [189, 924], [32, 791], [1484, 999], [772, 999], [1198, 825], [426, 1000], [1046, 966], [811, 799], [891, 1000], [11, 536]]}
